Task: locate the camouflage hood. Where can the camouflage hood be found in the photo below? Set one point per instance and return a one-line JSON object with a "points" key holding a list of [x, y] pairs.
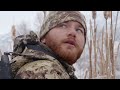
{"points": [[56, 17], [40, 52]]}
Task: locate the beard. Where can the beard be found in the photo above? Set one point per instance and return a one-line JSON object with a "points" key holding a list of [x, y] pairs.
{"points": [[69, 55]]}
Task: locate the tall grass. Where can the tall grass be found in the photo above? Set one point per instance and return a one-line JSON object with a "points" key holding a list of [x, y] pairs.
{"points": [[94, 15], [13, 32], [90, 51], [103, 52]]}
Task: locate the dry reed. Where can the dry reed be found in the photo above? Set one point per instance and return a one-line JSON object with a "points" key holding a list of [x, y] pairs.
{"points": [[107, 60]]}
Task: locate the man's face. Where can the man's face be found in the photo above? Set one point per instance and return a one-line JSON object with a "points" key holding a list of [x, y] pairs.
{"points": [[66, 40]]}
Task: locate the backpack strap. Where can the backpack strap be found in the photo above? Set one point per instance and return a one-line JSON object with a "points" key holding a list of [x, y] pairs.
{"points": [[5, 67]]}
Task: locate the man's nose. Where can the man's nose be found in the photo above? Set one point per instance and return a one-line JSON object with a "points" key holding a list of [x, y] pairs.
{"points": [[72, 32]]}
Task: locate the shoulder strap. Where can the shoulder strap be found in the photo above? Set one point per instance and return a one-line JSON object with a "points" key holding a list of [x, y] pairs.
{"points": [[42, 48], [5, 67]]}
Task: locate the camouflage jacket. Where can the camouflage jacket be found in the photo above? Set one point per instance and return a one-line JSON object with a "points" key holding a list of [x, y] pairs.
{"points": [[40, 63]]}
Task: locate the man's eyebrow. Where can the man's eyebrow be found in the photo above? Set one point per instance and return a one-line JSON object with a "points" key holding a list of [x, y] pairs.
{"points": [[66, 22], [80, 26]]}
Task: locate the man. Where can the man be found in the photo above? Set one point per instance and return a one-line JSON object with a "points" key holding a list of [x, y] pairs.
{"points": [[62, 40]]}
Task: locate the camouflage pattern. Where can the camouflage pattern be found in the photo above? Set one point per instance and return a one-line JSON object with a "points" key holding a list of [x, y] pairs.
{"points": [[42, 69], [34, 64], [56, 17], [22, 40]]}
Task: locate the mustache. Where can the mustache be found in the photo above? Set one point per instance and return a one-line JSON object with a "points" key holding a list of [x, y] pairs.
{"points": [[71, 41]]}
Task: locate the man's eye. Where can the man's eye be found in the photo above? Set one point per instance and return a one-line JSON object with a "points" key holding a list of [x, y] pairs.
{"points": [[80, 30]]}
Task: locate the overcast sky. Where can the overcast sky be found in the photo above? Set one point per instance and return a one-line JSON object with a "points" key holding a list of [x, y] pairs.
{"points": [[8, 18]]}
